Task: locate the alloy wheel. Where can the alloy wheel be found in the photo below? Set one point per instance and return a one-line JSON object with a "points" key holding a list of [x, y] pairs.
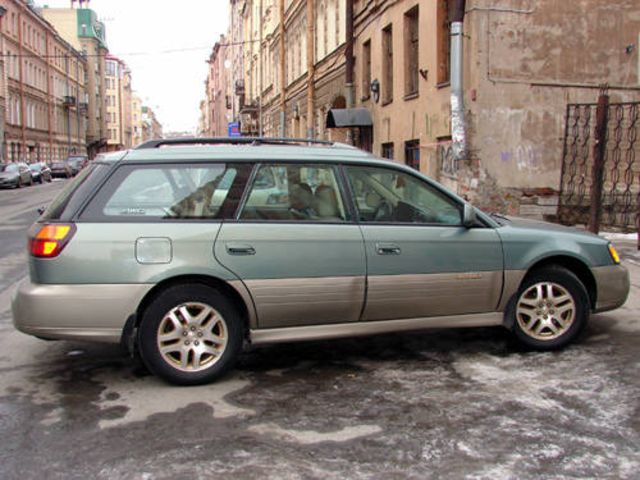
{"points": [[545, 311], [192, 337]]}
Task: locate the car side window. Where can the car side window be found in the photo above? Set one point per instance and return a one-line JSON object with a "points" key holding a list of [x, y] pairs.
{"points": [[169, 192], [294, 192], [385, 195]]}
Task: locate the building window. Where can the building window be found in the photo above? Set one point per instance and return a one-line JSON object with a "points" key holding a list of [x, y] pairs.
{"points": [[387, 64], [411, 51], [444, 41], [412, 154], [387, 150], [366, 69]]}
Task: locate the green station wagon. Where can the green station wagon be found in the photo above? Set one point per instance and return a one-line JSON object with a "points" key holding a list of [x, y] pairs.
{"points": [[185, 249]]}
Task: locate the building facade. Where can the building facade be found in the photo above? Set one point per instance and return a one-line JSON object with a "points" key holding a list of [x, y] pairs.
{"points": [[217, 104], [151, 126], [44, 79], [81, 28], [118, 104], [136, 119], [522, 62]]}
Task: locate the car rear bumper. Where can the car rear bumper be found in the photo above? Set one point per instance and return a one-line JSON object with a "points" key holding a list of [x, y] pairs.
{"points": [[76, 312], [612, 285]]}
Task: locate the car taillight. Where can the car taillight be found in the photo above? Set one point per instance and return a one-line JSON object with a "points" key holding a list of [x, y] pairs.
{"points": [[50, 240]]}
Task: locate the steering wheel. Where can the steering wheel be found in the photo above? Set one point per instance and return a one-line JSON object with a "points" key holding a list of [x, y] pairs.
{"points": [[384, 211]]}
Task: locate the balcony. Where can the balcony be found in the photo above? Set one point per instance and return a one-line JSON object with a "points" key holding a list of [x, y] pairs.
{"points": [[69, 101]]}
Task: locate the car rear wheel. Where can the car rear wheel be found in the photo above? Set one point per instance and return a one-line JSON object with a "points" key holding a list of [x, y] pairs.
{"points": [[550, 309], [190, 335]]}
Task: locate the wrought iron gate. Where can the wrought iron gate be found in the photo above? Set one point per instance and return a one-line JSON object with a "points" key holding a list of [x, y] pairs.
{"points": [[600, 180]]}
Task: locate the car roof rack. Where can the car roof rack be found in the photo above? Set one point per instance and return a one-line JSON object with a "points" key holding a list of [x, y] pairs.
{"points": [[230, 141]]}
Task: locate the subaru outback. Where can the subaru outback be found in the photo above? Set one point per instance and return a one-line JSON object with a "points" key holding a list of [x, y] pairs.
{"points": [[184, 250]]}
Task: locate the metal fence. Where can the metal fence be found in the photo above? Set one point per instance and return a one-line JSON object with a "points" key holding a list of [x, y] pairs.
{"points": [[600, 181]]}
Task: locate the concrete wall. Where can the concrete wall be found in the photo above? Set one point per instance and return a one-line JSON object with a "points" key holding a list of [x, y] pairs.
{"points": [[525, 60]]}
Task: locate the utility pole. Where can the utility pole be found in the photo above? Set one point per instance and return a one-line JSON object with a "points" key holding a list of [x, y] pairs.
{"points": [[283, 76], [310, 69]]}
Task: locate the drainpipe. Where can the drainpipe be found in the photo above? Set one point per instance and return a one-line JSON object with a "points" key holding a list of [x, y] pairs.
{"points": [[260, 128], [311, 68], [458, 128], [283, 73], [349, 64]]}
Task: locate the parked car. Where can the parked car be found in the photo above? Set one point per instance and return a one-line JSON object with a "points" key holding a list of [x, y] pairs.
{"points": [[40, 172], [178, 254], [61, 169], [15, 175], [77, 163]]}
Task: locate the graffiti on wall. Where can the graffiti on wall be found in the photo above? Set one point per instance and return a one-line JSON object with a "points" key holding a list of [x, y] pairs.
{"points": [[525, 158]]}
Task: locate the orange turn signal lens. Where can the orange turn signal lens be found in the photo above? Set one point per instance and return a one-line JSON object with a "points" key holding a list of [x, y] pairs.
{"points": [[53, 232], [614, 254], [50, 240]]}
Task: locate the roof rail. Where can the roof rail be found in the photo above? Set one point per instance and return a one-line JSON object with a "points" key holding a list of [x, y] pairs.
{"points": [[230, 141]]}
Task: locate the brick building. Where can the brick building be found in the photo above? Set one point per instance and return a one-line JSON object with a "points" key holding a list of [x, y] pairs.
{"points": [[389, 85], [45, 89]]}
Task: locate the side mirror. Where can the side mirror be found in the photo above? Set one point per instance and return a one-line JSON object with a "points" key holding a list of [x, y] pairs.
{"points": [[468, 216]]}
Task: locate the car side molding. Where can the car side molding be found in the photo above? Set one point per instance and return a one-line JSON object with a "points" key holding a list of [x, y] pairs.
{"points": [[356, 329]]}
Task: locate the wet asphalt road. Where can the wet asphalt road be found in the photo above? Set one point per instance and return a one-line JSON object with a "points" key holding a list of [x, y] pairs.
{"points": [[445, 404]]}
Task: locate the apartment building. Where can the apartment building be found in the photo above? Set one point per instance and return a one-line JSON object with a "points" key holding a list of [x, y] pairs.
{"points": [[151, 126], [85, 33], [217, 105], [380, 74], [118, 104], [136, 119], [44, 87]]}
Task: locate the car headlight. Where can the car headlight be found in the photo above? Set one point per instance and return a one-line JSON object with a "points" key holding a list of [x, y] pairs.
{"points": [[614, 254]]}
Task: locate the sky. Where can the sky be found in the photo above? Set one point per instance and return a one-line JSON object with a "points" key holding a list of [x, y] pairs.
{"points": [[141, 31]]}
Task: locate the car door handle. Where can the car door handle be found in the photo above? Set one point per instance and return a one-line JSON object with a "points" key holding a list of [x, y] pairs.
{"points": [[240, 249], [387, 249]]}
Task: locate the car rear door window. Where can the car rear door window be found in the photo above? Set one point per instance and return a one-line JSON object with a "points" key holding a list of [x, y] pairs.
{"points": [[169, 192], [295, 192]]}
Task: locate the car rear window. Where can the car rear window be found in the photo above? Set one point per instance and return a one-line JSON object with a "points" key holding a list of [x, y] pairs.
{"points": [[169, 192], [65, 205]]}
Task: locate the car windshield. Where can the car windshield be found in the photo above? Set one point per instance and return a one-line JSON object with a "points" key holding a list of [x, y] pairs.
{"points": [[9, 168], [34, 166], [58, 164]]}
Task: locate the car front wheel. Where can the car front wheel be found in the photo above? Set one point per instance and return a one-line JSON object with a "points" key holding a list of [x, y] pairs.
{"points": [[190, 335], [550, 309]]}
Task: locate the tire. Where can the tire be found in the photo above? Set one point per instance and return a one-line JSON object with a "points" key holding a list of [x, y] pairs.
{"points": [[549, 322], [215, 340], [19, 183]]}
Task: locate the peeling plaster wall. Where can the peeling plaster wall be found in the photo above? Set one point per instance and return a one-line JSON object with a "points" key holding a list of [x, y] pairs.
{"points": [[515, 49]]}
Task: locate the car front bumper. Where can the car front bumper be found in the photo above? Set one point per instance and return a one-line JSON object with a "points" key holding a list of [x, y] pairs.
{"points": [[8, 182], [76, 312], [612, 286]]}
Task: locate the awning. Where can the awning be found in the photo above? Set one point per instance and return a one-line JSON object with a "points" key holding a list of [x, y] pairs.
{"points": [[349, 117]]}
